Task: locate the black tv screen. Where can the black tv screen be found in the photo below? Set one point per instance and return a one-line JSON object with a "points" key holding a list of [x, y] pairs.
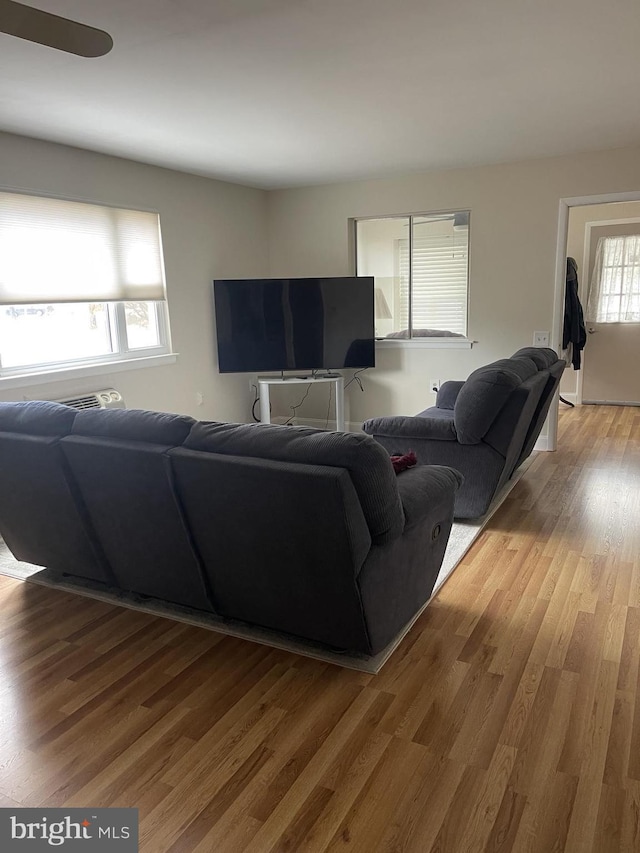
{"points": [[294, 324]]}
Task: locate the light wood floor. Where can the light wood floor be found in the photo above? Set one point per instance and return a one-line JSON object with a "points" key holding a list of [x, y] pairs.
{"points": [[508, 720]]}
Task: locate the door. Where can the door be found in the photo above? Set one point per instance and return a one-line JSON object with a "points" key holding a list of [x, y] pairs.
{"points": [[611, 369]]}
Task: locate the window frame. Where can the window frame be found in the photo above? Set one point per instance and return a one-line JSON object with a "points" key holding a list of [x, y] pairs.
{"points": [[122, 350], [600, 267], [418, 342]]}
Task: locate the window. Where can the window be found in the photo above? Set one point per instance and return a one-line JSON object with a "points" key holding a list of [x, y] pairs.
{"points": [[614, 294], [421, 268], [80, 284]]}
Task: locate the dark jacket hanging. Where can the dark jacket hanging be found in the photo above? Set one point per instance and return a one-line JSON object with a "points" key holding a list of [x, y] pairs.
{"points": [[574, 332]]}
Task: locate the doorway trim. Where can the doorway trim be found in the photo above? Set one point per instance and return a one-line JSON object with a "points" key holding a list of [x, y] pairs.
{"points": [[561, 272]]}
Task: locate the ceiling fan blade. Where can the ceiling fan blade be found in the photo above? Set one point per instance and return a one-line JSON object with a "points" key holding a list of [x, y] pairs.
{"points": [[31, 24]]}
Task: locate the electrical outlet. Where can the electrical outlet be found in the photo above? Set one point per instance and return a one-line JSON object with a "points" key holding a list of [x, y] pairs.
{"points": [[541, 339], [434, 384]]}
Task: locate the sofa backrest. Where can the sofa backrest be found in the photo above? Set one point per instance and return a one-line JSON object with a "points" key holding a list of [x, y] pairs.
{"points": [[485, 394], [282, 542], [552, 367], [543, 357], [42, 519], [284, 518], [37, 417], [119, 461], [367, 463], [508, 432], [133, 425]]}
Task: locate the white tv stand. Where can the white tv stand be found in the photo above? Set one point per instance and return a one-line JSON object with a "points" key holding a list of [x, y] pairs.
{"points": [[265, 382]]}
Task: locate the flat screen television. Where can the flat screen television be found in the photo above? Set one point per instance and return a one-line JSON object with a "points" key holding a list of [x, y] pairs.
{"points": [[299, 324]]}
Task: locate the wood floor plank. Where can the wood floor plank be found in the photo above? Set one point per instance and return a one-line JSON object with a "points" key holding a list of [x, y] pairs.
{"points": [[608, 834], [505, 827], [484, 813], [451, 831], [209, 776], [551, 818], [616, 768], [576, 745], [585, 810], [630, 652], [418, 820], [382, 792], [630, 831]]}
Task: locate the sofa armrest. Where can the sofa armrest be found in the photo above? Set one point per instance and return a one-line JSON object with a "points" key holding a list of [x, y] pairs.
{"points": [[448, 394], [411, 427], [424, 488]]}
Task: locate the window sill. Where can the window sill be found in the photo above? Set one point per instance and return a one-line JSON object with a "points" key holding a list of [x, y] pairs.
{"points": [[425, 343], [106, 367]]}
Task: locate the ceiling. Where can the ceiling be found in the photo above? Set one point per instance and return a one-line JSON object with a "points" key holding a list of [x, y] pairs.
{"points": [[281, 93]]}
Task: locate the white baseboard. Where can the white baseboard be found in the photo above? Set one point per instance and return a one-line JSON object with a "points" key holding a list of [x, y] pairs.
{"points": [[611, 402], [542, 443]]}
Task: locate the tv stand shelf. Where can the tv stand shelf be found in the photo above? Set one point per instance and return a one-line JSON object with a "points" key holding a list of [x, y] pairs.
{"points": [[265, 383]]}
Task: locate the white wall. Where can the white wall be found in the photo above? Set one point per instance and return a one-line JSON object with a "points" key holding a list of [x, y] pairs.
{"points": [[514, 224], [579, 218], [209, 229], [216, 229]]}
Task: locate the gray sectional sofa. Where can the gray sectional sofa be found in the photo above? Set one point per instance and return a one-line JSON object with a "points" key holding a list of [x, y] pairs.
{"points": [[297, 530], [484, 427]]}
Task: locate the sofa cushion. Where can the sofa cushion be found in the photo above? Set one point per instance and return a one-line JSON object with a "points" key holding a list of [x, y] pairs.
{"points": [[484, 394], [448, 394], [436, 413], [36, 418], [133, 425], [366, 461], [421, 427]]}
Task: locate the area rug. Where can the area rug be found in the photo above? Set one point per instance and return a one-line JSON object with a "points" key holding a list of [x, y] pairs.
{"points": [[463, 535]]}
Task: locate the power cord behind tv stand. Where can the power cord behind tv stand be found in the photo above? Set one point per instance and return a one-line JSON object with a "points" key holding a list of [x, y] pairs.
{"points": [[265, 383]]}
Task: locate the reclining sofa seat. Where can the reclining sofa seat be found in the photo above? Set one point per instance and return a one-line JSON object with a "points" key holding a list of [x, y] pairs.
{"points": [[310, 532], [484, 427], [42, 518], [546, 360]]}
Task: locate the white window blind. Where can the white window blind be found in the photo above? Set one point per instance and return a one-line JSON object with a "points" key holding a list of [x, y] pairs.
{"points": [[439, 278], [614, 293], [52, 251]]}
